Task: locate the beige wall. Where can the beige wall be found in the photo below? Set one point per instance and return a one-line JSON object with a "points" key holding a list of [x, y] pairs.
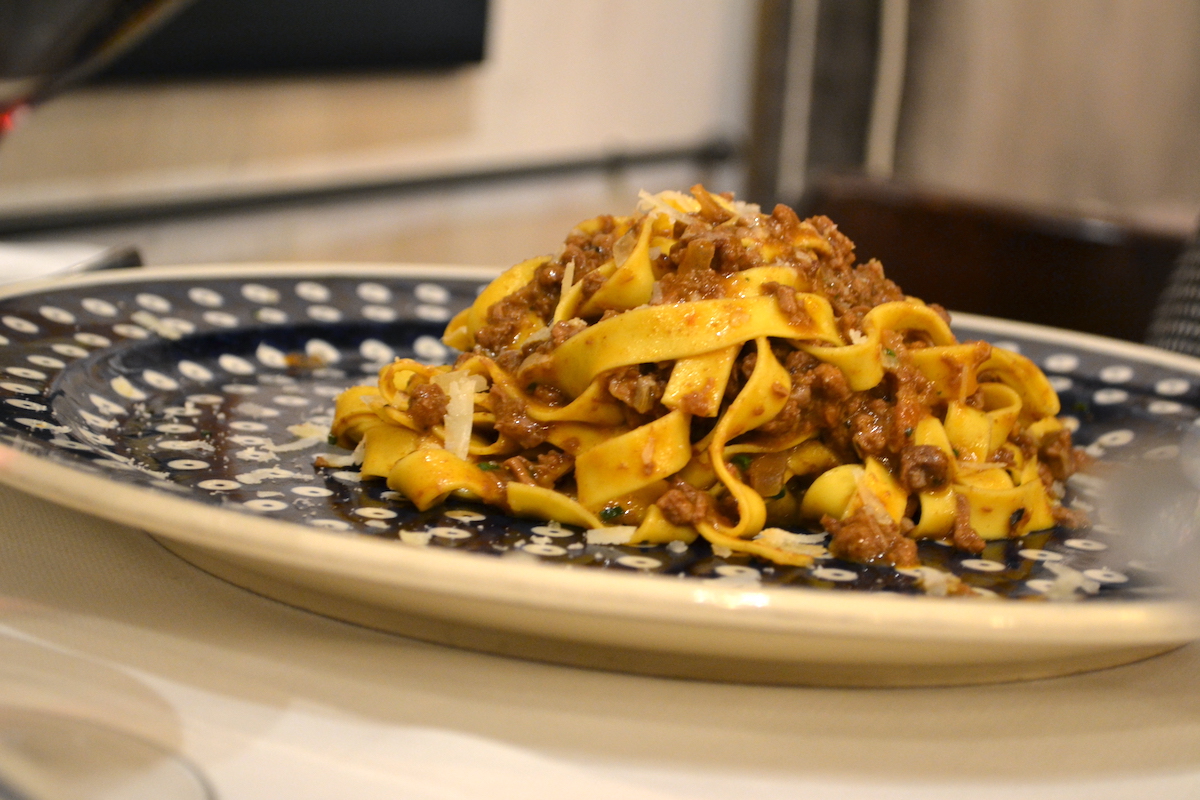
{"points": [[1090, 105], [562, 80]]}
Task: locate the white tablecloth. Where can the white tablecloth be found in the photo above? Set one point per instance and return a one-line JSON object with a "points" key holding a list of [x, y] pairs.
{"points": [[271, 702]]}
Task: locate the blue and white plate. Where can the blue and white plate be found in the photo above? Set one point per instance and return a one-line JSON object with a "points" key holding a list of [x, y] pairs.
{"points": [[191, 402]]}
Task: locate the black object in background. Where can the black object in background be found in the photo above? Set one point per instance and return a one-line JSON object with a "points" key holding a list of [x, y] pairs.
{"points": [[232, 38], [1176, 321], [968, 254]]}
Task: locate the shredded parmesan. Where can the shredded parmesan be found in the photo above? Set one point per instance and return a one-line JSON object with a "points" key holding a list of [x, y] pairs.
{"points": [[618, 534], [874, 506], [255, 454], [478, 383], [338, 460], [935, 582], [791, 543], [568, 280], [307, 429], [299, 444], [662, 203], [334, 460], [1067, 581], [460, 413], [265, 474]]}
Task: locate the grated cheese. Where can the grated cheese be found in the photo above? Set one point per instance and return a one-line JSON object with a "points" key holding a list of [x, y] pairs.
{"points": [[791, 542], [460, 413], [307, 429], [617, 534], [568, 280], [1067, 581]]}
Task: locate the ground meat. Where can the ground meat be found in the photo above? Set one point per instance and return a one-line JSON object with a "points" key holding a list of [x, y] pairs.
{"points": [[869, 429], [846, 284], [513, 422], [1071, 518], [639, 391], [506, 317], [503, 324], [519, 468], [962, 535], [591, 284], [830, 382], [1058, 454], [730, 253], [694, 279], [1003, 456], [550, 467], [911, 392], [1025, 444], [786, 422], [684, 504], [789, 304], [923, 466], [864, 539], [589, 250], [819, 399], [427, 405], [551, 396], [510, 360], [565, 329]]}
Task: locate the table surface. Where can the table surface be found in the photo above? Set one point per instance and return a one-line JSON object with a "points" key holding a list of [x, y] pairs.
{"points": [[99, 620]]}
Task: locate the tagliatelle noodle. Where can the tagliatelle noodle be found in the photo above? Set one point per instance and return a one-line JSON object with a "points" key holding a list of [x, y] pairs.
{"points": [[654, 376]]}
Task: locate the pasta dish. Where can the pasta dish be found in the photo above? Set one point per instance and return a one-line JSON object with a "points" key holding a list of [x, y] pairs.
{"points": [[702, 369]]}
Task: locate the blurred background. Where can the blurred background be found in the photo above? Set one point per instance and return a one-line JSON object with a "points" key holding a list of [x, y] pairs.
{"points": [[1035, 159]]}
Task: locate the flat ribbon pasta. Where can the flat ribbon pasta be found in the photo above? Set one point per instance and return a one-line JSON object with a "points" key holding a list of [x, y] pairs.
{"points": [[702, 369]]}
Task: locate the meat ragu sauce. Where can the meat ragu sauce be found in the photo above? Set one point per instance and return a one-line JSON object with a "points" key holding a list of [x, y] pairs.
{"points": [[709, 254], [878, 422]]}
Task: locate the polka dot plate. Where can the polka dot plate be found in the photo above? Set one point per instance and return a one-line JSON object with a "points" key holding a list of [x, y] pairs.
{"points": [[192, 403]]}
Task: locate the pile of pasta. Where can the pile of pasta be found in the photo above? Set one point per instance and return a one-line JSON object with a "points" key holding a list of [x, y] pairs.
{"points": [[702, 369]]}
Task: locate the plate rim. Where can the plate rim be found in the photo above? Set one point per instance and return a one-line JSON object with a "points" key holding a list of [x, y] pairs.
{"points": [[651, 598]]}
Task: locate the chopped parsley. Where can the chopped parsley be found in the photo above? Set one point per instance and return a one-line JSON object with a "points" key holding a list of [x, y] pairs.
{"points": [[488, 466], [741, 461], [610, 513], [331, 439]]}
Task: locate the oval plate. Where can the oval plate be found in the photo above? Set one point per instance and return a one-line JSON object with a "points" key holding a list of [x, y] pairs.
{"points": [[184, 401]]}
